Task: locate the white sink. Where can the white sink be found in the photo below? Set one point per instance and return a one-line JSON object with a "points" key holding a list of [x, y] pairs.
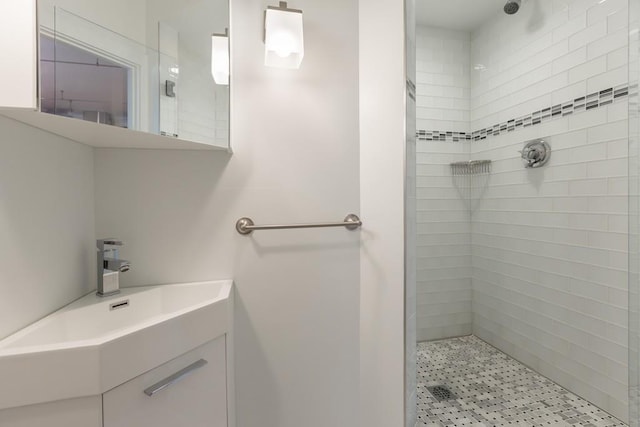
{"points": [[95, 344]]}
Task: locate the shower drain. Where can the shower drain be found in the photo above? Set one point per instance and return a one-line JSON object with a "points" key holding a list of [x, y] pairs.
{"points": [[441, 393]]}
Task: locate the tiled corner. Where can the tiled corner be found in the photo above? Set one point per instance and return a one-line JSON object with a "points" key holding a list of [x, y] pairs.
{"points": [[546, 281]]}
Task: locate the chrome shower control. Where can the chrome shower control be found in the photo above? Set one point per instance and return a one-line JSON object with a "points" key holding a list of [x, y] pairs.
{"points": [[536, 153]]}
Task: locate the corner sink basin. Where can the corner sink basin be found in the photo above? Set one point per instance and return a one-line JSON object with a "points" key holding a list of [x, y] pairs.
{"points": [[95, 344], [93, 320]]}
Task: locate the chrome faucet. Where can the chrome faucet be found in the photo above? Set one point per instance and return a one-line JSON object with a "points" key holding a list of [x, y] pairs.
{"points": [[109, 268]]}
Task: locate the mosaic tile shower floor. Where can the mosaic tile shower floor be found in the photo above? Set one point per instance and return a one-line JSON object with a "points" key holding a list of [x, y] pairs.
{"points": [[493, 389]]}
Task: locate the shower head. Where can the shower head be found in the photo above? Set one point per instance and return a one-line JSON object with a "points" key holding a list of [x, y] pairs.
{"points": [[512, 7]]}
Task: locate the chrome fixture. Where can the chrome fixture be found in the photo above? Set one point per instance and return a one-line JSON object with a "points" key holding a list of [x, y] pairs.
{"points": [[512, 7], [473, 167], [246, 225], [174, 378], [109, 268], [536, 153]]}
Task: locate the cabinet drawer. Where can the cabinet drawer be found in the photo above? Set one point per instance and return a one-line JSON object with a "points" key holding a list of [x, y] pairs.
{"points": [[185, 392]]}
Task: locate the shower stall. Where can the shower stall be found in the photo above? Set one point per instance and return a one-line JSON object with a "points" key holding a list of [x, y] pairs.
{"points": [[525, 307]]}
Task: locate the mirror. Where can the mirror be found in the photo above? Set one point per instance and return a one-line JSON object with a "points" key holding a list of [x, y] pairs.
{"points": [[145, 65]]}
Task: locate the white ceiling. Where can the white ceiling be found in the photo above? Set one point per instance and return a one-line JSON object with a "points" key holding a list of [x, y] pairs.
{"points": [[463, 15]]}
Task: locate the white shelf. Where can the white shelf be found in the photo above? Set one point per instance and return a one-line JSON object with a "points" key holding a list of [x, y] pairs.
{"points": [[103, 136]]}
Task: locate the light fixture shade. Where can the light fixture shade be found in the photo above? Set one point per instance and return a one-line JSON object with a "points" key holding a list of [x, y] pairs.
{"points": [[283, 37], [220, 58]]}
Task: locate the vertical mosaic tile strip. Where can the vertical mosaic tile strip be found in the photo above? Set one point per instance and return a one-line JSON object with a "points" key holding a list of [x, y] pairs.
{"points": [[578, 105], [493, 389], [411, 89]]}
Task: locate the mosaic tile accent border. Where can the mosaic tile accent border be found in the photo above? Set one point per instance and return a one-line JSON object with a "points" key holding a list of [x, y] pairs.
{"points": [[578, 105], [411, 89], [494, 390], [424, 135]]}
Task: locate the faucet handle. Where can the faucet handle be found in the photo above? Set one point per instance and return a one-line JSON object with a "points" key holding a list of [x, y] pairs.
{"points": [[101, 243], [113, 242]]}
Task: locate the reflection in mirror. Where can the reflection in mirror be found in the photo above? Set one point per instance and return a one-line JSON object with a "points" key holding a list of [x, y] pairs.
{"points": [[83, 85], [152, 71], [185, 45]]}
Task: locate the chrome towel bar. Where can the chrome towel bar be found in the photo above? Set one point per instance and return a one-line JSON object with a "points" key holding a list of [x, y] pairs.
{"points": [[247, 226]]}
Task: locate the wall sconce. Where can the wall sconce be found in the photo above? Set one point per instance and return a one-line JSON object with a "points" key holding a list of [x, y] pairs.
{"points": [[220, 57], [283, 37]]}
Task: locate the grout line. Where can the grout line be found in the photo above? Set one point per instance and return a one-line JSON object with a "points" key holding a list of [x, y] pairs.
{"points": [[524, 267], [555, 319], [484, 283], [520, 334]]}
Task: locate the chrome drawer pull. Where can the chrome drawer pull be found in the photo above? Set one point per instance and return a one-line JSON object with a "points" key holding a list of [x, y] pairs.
{"points": [[161, 385]]}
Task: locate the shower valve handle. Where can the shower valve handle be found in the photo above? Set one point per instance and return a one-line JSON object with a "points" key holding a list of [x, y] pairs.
{"points": [[535, 153]]}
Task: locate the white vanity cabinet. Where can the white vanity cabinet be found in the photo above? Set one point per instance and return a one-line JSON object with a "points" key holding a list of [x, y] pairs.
{"points": [[81, 412], [148, 356], [190, 391]]}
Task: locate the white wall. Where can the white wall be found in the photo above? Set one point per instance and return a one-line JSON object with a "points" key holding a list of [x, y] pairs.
{"points": [[296, 159], [298, 314], [47, 256], [444, 232], [550, 245], [382, 177]]}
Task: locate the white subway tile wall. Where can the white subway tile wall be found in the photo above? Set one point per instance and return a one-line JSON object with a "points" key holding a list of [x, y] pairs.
{"points": [[544, 278], [188, 115], [444, 230], [204, 119], [549, 246], [443, 79]]}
